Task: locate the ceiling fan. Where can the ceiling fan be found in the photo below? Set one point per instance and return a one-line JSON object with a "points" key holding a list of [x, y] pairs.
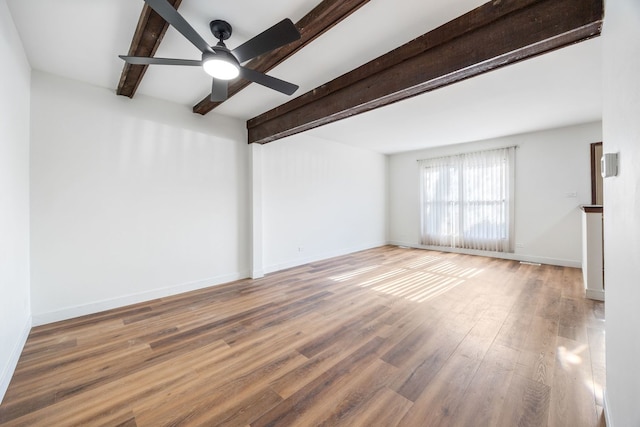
{"points": [[219, 62]]}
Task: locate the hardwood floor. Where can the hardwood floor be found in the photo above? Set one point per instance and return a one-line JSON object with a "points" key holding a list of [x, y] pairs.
{"points": [[383, 337]]}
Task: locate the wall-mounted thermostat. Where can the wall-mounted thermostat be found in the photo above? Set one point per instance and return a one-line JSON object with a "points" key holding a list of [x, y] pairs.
{"points": [[609, 164]]}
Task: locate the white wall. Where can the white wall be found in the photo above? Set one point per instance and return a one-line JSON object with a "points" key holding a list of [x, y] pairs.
{"points": [[320, 199], [130, 199], [621, 127], [549, 165], [15, 313]]}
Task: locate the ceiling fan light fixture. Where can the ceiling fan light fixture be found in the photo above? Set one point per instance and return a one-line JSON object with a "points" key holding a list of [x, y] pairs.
{"points": [[220, 67], [219, 62]]}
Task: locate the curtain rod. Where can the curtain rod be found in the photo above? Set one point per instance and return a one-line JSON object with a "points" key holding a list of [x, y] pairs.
{"points": [[469, 152]]}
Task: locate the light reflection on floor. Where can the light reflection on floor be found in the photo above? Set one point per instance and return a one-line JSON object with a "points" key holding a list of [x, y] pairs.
{"points": [[569, 358], [420, 281]]}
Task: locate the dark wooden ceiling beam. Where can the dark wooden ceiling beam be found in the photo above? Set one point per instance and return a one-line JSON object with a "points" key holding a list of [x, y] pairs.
{"points": [[495, 34], [321, 19], [149, 33]]}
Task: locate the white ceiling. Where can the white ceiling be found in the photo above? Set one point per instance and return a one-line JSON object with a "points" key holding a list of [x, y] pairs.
{"points": [[81, 39]]}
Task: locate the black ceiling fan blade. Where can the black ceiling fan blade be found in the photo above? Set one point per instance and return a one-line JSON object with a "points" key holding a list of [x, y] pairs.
{"points": [[145, 60], [219, 90], [268, 81], [284, 32], [164, 9]]}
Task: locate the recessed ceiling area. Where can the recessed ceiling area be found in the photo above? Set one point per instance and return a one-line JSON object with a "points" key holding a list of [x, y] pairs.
{"points": [[82, 41]]}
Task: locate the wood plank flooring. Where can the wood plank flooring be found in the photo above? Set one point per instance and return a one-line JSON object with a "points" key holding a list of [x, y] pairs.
{"points": [[384, 337]]}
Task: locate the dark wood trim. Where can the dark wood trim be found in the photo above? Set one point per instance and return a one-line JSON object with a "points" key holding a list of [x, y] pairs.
{"points": [[495, 34], [594, 175], [321, 19], [149, 33], [592, 208]]}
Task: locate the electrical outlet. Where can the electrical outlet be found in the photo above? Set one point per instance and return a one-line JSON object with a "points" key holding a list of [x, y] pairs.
{"points": [[520, 245], [572, 195], [300, 249]]}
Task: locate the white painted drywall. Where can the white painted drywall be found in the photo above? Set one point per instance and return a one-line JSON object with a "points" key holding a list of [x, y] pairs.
{"points": [[15, 311], [621, 131], [550, 166], [130, 199], [320, 199]]}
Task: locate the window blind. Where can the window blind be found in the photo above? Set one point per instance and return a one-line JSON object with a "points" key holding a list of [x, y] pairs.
{"points": [[467, 200]]}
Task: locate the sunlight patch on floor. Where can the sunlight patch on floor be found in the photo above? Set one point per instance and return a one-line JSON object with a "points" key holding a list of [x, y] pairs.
{"points": [[382, 277], [352, 274], [451, 269], [570, 357], [418, 286], [571, 360], [419, 281], [598, 390], [426, 260]]}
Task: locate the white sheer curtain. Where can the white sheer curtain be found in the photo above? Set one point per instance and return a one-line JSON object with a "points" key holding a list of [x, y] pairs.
{"points": [[467, 200]]}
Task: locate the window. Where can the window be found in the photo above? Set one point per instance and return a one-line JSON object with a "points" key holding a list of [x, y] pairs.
{"points": [[467, 200]]}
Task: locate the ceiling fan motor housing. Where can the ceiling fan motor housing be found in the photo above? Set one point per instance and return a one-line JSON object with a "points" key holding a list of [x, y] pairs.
{"points": [[220, 29], [218, 61]]}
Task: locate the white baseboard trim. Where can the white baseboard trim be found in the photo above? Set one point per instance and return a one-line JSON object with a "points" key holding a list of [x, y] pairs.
{"points": [[607, 417], [502, 255], [320, 257], [10, 367], [108, 304], [594, 294]]}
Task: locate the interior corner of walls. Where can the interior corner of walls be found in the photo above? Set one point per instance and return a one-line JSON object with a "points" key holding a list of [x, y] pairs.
{"points": [[402, 244], [257, 274], [119, 302], [10, 366]]}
